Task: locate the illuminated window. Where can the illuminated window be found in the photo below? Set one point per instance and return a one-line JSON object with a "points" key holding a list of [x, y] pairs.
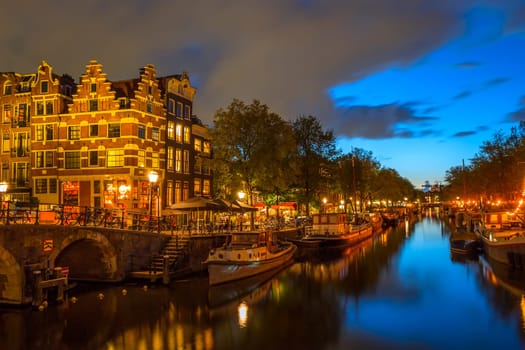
{"points": [[155, 133], [178, 133], [169, 192], [39, 159], [197, 186], [115, 158], [39, 132], [72, 160], [198, 144], [206, 187], [186, 155], [141, 158], [155, 160], [206, 147], [7, 113], [187, 137], [73, 132], [178, 160], [171, 130], [178, 192], [5, 143], [185, 190], [170, 158]]}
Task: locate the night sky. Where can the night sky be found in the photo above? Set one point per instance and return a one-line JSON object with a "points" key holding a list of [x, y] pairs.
{"points": [[420, 83]]}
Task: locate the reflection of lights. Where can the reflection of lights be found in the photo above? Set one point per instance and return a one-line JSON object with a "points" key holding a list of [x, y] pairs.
{"points": [[242, 311], [407, 228]]}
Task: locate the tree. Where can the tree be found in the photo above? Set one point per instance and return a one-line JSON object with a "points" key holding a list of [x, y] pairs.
{"points": [[251, 148], [316, 151]]}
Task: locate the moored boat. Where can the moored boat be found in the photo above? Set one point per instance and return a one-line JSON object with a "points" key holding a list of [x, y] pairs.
{"points": [[505, 245], [247, 254]]}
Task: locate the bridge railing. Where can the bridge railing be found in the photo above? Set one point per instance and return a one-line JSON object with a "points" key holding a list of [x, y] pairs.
{"points": [[13, 212]]}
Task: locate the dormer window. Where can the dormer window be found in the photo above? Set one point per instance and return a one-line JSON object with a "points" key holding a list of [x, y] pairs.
{"points": [[150, 90], [44, 87]]}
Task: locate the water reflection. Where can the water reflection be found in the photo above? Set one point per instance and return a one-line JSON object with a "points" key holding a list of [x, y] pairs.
{"points": [[398, 290]]}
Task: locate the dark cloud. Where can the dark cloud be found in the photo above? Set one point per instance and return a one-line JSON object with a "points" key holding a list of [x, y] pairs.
{"points": [[381, 122], [283, 53], [497, 81], [468, 64], [462, 95], [464, 133], [518, 115]]}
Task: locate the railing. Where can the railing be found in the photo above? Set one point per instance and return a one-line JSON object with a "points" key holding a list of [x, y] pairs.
{"points": [[13, 212]]}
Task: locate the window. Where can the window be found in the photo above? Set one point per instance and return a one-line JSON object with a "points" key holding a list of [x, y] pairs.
{"points": [[170, 158], [178, 111], [53, 185], [169, 192], [93, 130], [40, 185], [40, 108], [49, 107], [93, 87], [68, 90], [7, 113], [96, 186], [141, 134], [115, 158], [22, 114], [73, 132], [155, 134], [39, 159], [206, 187], [187, 137], [171, 106], [197, 144], [44, 86], [155, 160], [141, 158], [150, 90], [187, 112], [149, 107], [39, 129], [8, 89], [178, 133], [93, 105], [197, 186], [186, 162], [206, 147], [114, 130], [178, 192], [72, 160], [5, 143], [123, 103], [49, 132], [93, 158], [178, 160], [171, 130], [49, 159]]}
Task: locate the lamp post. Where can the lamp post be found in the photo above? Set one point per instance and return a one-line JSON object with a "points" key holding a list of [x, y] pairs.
{"points": [[241, 195], [152, 177]]}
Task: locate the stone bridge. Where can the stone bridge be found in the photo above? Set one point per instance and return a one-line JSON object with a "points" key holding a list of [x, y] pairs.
{"points": [[90, 253]]}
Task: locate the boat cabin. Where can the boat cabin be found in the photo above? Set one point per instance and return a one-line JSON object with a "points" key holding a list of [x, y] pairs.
{"points": [[250, 239]]}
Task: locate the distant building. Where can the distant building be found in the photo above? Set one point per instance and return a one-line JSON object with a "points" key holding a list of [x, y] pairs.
{"points": [[94, 143]]}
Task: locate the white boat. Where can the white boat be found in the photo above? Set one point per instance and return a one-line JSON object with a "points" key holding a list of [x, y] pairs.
{"points": [[503, 238], [247, 254]]}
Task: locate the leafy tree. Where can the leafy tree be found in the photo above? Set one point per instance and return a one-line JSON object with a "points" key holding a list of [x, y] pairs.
{"points": [[252, 148], [316, 151]]}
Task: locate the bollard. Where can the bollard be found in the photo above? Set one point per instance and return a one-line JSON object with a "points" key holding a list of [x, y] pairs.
{"points": [[37, 290]]}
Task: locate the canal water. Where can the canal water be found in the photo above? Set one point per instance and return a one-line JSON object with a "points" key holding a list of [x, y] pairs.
{"points": [[401, 290]]}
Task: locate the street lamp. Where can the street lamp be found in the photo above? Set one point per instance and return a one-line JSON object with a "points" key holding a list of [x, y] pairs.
{"points": [[324, 205], [3, 190], [241, 195], [152, 177]]}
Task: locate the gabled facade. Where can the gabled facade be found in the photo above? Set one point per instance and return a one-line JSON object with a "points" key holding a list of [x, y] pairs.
{"points": [[95, 143]]}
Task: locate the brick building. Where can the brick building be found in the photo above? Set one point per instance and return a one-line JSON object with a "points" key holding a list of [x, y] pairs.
{"points": [[95, 143]]}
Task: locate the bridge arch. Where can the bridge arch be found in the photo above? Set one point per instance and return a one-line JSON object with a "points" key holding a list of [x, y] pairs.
{"points": [[11, 286], [89, 255]]}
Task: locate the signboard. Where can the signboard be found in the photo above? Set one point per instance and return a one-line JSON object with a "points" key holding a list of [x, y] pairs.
{"points": [[47, 245]]}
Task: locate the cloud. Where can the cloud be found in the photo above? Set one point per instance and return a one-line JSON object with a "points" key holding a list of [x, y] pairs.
{"points": [[385, 121], [464, 133], [283, 53], [470, 64]]}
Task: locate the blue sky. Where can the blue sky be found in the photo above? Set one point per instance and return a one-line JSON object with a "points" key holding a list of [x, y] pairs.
{"points": [[451, 99], [420, 83]]}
